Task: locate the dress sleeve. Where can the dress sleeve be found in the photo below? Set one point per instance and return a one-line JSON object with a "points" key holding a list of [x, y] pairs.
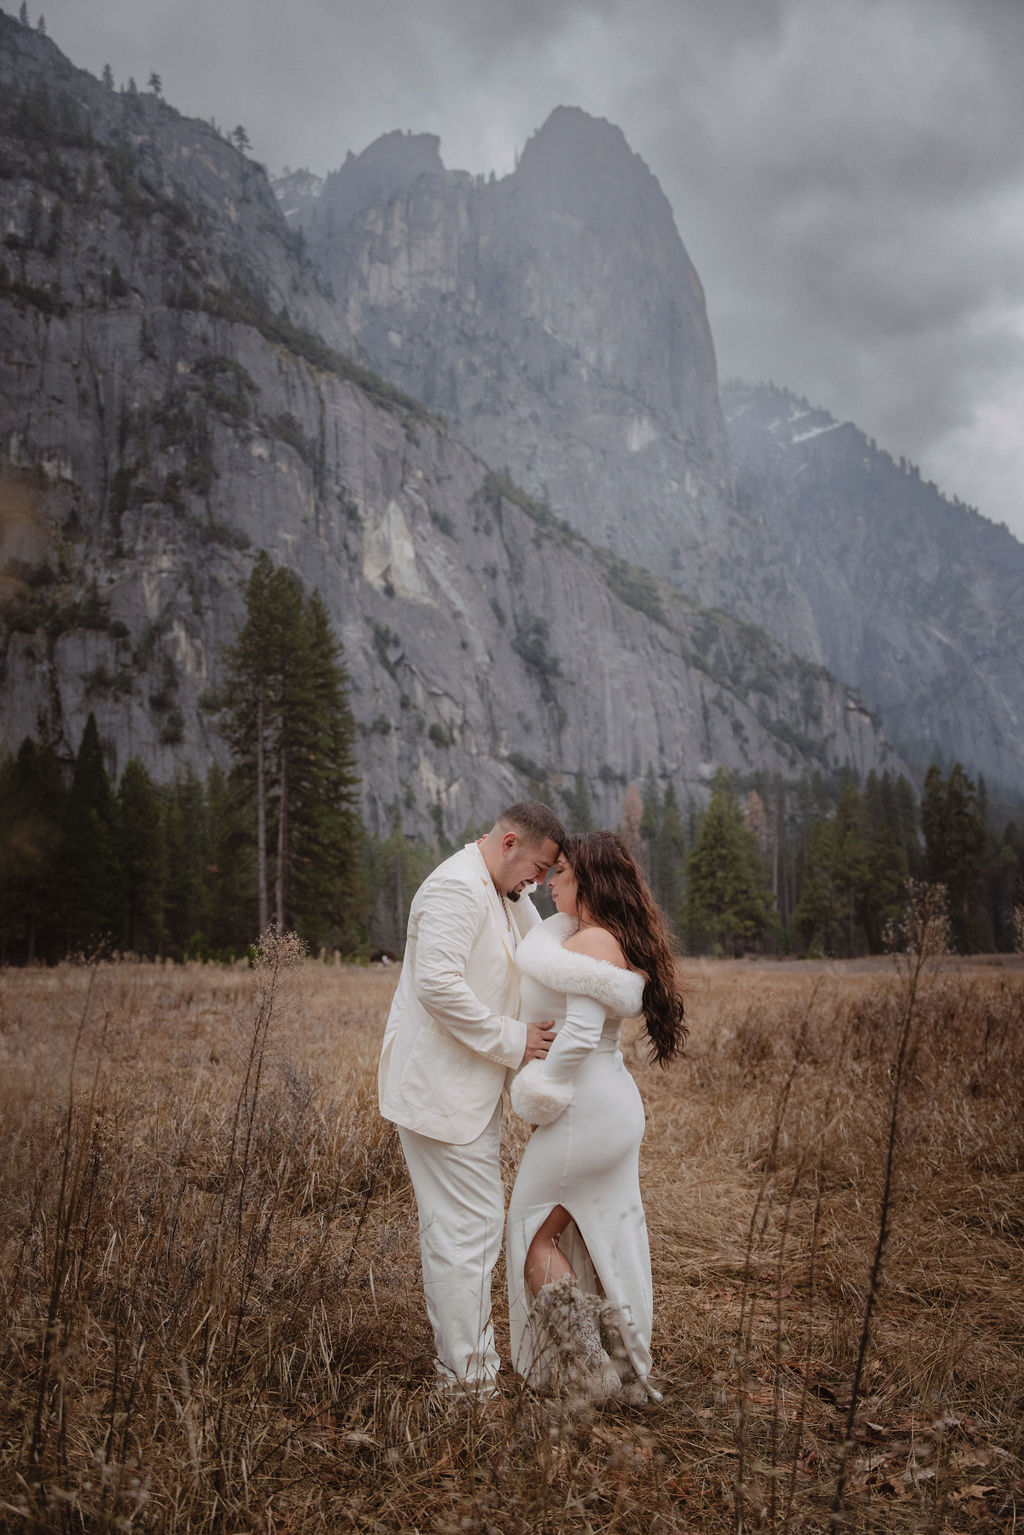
{"points": [[544, 1088], [579, 1034]]}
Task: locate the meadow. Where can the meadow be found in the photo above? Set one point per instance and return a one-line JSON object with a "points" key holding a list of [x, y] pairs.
{"points": [[211, 1311]]}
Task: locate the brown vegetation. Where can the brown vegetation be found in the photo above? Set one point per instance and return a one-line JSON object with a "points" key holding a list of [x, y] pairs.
{"points": [[209, 1275]]}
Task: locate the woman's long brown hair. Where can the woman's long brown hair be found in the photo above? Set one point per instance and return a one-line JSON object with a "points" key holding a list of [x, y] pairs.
{"points": [[617, 897]]}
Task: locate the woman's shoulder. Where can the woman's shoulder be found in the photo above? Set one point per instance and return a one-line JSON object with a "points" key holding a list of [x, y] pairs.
{"points": [[597, 943], [551, 954]]}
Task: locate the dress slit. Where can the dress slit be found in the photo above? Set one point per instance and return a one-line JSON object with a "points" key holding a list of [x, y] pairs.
{"points": [[576, 1250]]}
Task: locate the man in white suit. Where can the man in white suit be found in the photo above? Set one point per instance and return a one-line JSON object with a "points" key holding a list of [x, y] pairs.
{"points": [[452, 1037]]}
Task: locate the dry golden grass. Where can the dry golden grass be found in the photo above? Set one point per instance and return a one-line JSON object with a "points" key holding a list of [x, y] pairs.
{"points": [[209, 1271]]}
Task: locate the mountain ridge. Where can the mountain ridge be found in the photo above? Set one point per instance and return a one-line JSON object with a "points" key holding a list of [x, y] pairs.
{"points": [[174, 394], [905, 605]]}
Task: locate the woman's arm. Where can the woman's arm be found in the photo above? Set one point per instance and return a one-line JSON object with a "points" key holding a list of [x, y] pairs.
{"points": [[544, 1088], [578, 1036]]}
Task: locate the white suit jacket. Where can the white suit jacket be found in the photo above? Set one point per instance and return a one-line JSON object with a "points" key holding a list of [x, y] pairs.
{"points": [[453, 1031]]}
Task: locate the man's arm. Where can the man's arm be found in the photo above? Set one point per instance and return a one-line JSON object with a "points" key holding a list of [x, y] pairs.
{"points": [[450, 921]]}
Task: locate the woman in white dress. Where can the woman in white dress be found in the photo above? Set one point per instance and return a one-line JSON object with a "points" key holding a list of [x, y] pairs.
{"points": [[578, 1259]]}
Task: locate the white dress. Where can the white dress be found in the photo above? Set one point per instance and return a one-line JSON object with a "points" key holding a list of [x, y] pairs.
{"points": [[584, 1155]]}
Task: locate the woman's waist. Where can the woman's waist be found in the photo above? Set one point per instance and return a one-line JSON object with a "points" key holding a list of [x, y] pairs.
{"points": [[602, 1058], [608, 1042], [609, 1046]]}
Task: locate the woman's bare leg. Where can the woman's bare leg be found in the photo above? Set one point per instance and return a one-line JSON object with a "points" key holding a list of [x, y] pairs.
{"points": [[545, 1262], [561, 1313]]}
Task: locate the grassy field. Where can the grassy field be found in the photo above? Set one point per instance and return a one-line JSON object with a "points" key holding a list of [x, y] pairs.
{"points": [[212, 1318]]}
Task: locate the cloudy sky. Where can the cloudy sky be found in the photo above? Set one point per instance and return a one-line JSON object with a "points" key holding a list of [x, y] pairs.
{"points": [[847, 175]]}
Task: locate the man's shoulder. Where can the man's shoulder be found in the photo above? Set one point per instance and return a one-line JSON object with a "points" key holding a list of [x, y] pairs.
{"points": [[463, 868]]}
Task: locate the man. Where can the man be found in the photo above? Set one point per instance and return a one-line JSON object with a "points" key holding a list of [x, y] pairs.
{"points": [[452, 1037]]}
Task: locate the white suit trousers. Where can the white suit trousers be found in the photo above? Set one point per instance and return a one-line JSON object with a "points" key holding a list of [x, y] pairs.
{"points": [[461, 1209]]}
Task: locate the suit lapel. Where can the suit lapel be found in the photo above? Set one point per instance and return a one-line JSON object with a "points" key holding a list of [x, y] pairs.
{"points": [[497, 908]]}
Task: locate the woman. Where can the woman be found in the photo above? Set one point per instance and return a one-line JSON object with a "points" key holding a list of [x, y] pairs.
{"points": [[579, 1268]]}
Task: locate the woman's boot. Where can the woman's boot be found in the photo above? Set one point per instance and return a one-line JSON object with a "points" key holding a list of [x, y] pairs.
{"points": [[631, 1390], [579, 1358]]}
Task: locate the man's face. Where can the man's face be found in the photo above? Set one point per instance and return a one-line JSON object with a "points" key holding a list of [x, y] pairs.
{"points": [[525, 863]]}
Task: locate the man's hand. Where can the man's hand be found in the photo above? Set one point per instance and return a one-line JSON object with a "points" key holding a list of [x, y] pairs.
{"points": [[538, 1040]]}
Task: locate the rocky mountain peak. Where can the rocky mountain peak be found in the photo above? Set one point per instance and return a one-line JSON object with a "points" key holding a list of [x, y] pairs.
{"points": [[554, 317], [584, 166], [386, 167]]}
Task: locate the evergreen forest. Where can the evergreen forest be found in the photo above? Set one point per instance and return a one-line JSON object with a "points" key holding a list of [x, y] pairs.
{"points": [[197, 869]]}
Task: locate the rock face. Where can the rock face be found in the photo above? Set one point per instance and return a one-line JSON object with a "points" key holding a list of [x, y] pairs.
{"points": [[174, 394], [916, 601], [555, 319]]}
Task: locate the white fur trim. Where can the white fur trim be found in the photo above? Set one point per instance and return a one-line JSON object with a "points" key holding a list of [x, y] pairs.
{"points": [[542, 956], [535, 1099]]}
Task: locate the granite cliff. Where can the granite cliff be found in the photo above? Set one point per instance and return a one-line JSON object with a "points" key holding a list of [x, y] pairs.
{"points": [[914, 599], [177, 389], [556, 320]]}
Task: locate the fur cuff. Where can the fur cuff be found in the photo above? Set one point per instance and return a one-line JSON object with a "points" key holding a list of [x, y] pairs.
{"points": [[537, 1101]]}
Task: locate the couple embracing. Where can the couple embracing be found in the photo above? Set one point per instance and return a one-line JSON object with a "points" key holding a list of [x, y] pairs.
{"points": [[490, 996]]}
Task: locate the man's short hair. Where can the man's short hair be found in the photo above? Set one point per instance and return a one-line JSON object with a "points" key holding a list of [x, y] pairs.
{"points": [[533, 822]]}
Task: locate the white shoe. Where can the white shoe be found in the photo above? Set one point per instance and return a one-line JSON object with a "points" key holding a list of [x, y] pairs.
{"points": [[451, 1391]]}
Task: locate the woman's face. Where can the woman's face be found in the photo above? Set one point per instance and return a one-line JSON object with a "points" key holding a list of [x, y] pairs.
{"points": [[562, 884]]}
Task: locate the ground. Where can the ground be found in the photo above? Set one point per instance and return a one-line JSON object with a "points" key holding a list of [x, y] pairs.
{"points": [[212, 1316]]}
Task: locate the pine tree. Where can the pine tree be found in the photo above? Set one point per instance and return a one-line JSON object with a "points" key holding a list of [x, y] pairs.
{"points": [[727, 903], [650, 821], [253, 665], [902, 814], [579, 812], [888, 860], [954, 843], [32, 797], [397, 867], [327, 874], [291, 735], [816, 916], [836, 899], [1008, 891], [187, 833], [632, 816], [143, 859], [91, 891], [230, 894], [1004, 878], [668, 860]]}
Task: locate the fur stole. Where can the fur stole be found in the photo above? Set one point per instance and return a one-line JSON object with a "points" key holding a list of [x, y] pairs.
{"points": [[541, 955]]}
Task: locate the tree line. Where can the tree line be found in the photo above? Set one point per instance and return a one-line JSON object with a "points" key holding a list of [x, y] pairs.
{"points": [[196, 868], [821, 868]]}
